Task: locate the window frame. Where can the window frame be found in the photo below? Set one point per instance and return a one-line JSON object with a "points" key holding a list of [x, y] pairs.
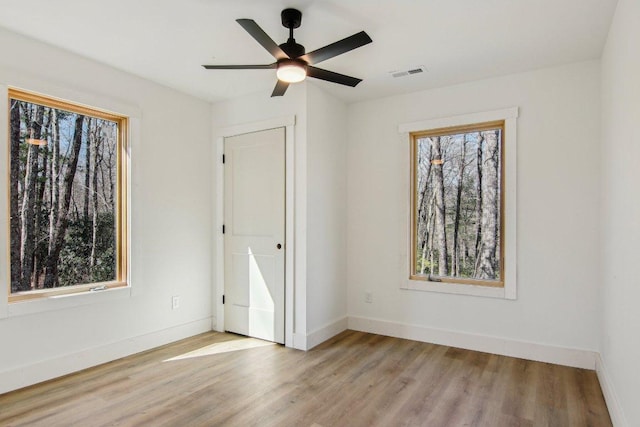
{"points": [[122, 198], [508, 219], [447, 131]]}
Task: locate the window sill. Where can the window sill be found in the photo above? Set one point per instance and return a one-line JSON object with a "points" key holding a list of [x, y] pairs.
{"points": [[455, 288], [65, 301]]}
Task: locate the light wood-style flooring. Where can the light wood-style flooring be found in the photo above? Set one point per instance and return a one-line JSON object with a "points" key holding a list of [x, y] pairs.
{"points": [[354, 379]]}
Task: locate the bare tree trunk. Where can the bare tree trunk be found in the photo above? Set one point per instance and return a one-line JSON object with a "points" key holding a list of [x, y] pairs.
{"points": [[490, 206], [423, 255], [464, 253], [55, 179], [96, 141], [455, 256], [478, 209], [51, 276], [87, 173], [422, 223], [40, 252], [432, 227], [14, 209], [111, 175], [28, 202], [438, 188], [428, 242]]}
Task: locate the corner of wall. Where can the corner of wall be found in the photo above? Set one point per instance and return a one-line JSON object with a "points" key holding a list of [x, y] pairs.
{"points": [[618, 418]]}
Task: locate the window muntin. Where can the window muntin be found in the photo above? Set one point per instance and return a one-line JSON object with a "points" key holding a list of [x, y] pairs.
{"points": [[466, 220], [68, 202]]}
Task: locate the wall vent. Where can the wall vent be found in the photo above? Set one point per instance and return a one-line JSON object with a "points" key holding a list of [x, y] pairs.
{"points": [[409, 72]]}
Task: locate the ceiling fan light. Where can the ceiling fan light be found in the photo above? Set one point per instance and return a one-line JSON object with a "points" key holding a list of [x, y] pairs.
{"points": [[291, 72]]}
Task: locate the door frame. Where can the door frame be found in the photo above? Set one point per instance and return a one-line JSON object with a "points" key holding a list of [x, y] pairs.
{"points": [[218, 266]]}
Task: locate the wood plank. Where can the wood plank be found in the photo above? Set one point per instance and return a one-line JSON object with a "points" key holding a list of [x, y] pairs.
{"points": [[354, 379]]}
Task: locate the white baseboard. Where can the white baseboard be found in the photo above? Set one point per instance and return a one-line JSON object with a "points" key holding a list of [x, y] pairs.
{"points": [[300, 342], [42, 371], [325, 332], [616, 413], [506, 347]]}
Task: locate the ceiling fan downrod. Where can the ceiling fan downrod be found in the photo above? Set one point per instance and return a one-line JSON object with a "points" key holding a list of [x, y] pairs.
{"points": [[291, 19]]}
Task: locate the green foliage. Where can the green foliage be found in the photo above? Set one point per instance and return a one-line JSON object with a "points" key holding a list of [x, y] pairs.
{"points": [[74, 266]]}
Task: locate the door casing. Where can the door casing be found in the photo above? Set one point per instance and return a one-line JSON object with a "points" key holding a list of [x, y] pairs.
{"points": [[255, 234], [292, 308]]}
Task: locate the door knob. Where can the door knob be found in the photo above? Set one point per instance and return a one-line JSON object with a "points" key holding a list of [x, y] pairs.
{"points": [[279, 246]]}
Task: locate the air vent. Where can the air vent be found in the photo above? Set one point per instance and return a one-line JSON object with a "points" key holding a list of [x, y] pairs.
{"points": [[404, 73]]}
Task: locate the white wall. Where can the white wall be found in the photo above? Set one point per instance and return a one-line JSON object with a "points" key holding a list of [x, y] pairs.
{"points": [[621, 210], [170, 224], [558, 175], [326, 214]]}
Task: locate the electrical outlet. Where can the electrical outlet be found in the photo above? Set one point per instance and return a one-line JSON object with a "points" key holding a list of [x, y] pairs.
{"points": [[175, 302], [368, 297]]}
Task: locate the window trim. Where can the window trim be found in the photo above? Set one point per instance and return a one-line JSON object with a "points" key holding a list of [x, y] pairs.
{"points": [[454, 130], [508, 199], [122, 202]]}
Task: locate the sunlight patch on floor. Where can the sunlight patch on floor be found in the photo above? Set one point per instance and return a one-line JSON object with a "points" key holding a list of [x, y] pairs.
{"points": [[223, 347]]}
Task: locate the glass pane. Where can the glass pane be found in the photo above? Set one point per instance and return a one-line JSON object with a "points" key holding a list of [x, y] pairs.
{"points": [[458, 206], [63, 197]]}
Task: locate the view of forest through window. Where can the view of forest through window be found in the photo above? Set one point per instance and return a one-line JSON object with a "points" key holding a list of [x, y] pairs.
{"points": [[63, 202], [457, 205]]}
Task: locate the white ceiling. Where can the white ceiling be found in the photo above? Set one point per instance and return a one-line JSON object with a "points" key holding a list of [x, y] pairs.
{"points": [[457, 40]]}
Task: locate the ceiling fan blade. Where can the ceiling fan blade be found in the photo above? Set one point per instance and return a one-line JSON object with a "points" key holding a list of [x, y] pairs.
{"points": [[280, 89], [261, 37], [334, 49], [332, 77], [241, 67]]}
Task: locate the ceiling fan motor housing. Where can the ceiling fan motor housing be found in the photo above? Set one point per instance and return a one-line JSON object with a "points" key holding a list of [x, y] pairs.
{"points": [[291, 18], [293, 49]]}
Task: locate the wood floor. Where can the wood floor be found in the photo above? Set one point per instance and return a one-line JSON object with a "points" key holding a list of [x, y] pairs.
{"points": [[355, 379]]}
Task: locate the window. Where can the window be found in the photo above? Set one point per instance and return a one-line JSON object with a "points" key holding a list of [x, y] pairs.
{"points": [[434, 150], [68, 202], [458, 204]]}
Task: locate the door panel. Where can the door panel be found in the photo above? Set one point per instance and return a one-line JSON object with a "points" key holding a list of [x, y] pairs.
{"points": [[254, 185], [255, 225]]}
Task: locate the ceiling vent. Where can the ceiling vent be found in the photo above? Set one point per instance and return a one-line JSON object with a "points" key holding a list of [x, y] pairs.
{"points": [[409, 72]]}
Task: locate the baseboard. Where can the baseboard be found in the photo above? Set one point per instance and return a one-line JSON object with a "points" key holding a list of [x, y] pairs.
{"points": [[325, 332], [616, 413], [42, 371], [489, 344], [300, 342]]}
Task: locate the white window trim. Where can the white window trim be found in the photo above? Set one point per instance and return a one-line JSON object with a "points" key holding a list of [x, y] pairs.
{"points": [[509, 291], [66, 301]]}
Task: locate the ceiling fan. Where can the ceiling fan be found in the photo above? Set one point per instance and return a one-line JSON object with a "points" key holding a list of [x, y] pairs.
{"points": [[293, 64]]}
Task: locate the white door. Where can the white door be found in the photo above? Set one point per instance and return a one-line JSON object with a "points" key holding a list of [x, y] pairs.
{"points": [[254, 218]]}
